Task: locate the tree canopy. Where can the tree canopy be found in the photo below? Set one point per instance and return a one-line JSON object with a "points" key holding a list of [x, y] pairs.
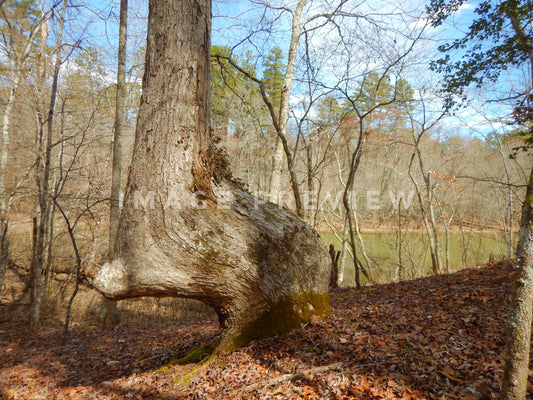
{"points": [[499, 39]]}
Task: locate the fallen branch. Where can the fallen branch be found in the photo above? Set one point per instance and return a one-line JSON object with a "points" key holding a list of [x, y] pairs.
{"points": [[290, 377]]}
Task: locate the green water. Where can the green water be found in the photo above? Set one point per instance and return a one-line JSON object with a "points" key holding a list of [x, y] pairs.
{"points": [[381, 249]]}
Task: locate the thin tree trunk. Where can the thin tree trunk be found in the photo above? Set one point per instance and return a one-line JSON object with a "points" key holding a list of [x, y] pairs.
{"points": [[431, 230], [352, 245], [43, 184], [4, 197], [283, 117], [511, 225], [344, 254], [49, 259], [4, 252], [312, 208], [354, 166], [15, 77], [35, 271], [437, 250], [4, 150], [399, 267], [447, 229], [368, 270], [275, 178], [41, 116], [514, 382], [112, 316]]}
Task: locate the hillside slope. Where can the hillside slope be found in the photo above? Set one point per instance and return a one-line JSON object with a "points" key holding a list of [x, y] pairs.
{"points": [[440, 337]]}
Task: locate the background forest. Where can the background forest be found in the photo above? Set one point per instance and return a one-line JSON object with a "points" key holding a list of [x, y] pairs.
{"points": [[330, 109]]}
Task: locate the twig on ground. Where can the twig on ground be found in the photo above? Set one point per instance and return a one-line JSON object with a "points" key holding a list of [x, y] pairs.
{"points": [[290, 377]]}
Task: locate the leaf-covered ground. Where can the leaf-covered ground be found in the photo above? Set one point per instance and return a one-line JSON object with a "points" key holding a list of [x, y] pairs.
{"points": [[434, 338]]}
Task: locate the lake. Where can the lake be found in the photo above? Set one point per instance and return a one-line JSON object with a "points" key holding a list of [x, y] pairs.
{"points": [[381, 249]]}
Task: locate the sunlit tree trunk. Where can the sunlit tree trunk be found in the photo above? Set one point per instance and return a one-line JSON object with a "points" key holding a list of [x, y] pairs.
{"points": [[350, 213], [42, 176], [111, 311], [426, 207], [343, 256], [20, 58], [516, 370], [4, 195], [514, 382], [399, 243], [283, 116], [185, 229]]}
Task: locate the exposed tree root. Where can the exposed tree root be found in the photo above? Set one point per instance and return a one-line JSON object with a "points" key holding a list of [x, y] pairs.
{"points": [[202, 356], [202, 353]]}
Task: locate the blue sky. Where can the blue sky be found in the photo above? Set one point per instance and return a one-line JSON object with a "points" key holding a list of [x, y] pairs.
{"points": [[233, 21]]}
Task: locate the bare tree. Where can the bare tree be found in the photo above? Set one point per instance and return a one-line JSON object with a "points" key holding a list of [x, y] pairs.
{"points": [[42, 178], [426, 204], [111, 311], [283, 116], [300, 24], [18, 46]]}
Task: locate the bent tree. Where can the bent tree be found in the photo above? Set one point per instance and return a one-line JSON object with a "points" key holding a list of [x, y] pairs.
{"points": [[186, 230]]}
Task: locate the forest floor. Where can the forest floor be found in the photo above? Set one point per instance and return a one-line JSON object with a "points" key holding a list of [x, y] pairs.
{"points": [[440, 337]]}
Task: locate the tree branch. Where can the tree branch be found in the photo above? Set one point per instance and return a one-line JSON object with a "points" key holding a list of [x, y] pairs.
{"points": [[294, 376]]}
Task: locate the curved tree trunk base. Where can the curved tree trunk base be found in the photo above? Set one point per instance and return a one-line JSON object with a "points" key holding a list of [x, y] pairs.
{"points": [[263, 270], [267, 324], [289, 313], [185, 229], [278, 320]]}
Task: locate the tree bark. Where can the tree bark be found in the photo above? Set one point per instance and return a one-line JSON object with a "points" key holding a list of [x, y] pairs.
{"points": [[4, 252], [399, 243], [42, 177], [344, 255], [275, 178], [112, 316], [15, 78], [516, 370], [120, 119], [426, 207], [283, 118], [355, 161], [185, 229], [4, 195], [514, 382]]}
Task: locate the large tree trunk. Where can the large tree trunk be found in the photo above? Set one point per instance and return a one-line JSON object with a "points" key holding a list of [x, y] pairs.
{"points": [[186, 230]]}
